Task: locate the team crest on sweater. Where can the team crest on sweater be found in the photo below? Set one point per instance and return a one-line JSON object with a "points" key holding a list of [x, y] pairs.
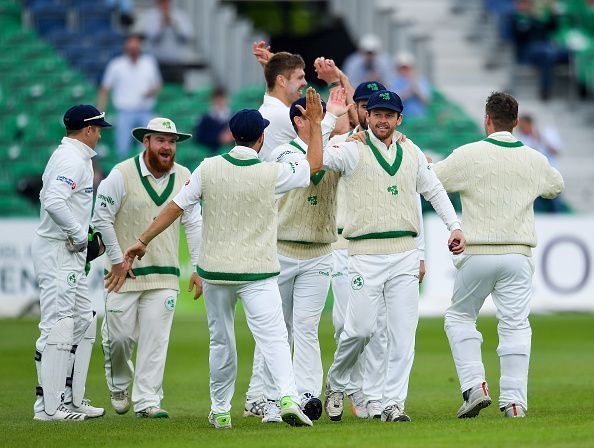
{"points": [[357, 282]]}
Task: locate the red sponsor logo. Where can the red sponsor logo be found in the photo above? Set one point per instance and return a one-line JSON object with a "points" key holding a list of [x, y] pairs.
{"points": [[73, 185], [187, 182]]}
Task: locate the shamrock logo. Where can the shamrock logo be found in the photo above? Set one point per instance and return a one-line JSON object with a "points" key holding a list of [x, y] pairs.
{"points": [[373, 86], [385, 96], [393, 189], [170, 303], [71, 279], [357, 282], [167, 124], [313, 200]]}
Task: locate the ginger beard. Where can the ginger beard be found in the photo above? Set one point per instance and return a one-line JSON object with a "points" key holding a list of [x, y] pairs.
{"points": [[160, 150]]}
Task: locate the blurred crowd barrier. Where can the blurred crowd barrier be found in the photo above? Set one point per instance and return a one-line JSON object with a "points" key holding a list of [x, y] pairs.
{"points": [[563, 279]]}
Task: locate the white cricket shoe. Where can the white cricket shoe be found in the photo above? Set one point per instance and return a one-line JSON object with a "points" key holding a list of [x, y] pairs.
{"points": [[292, 414], [393, 413], [120, 401], [61, 414], [333, 404], [220, 421], [272, 412], [513, 410], [312, 406], [374, 409], [358, 404], [152, 412], [86, 408], [475, 399], [254, 408]]}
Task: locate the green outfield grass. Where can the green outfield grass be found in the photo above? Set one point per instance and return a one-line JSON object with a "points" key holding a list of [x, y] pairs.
{"points": [[561, 396]]}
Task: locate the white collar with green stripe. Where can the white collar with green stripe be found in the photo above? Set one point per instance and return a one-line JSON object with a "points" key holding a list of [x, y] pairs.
{"points": [[299, 144], [504, 139], [381, 145]]}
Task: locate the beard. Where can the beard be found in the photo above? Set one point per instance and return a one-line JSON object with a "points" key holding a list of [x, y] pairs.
{"points": [[155, 160], [381, 134]]}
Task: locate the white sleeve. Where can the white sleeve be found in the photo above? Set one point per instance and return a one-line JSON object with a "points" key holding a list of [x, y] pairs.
{"points": [[291, 175], [283, 154], [191, 192], [328, 125], [192, 221], [420, 238], [110, 193], [342, 157], [432, 190], [63, 179]]}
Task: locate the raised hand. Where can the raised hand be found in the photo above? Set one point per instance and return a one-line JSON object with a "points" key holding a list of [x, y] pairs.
{"points": [[262, 52], [313, 112], [337, 102], [327, 70]]}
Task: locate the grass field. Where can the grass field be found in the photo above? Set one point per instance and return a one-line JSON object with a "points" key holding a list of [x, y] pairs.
{"points": [[561, 396]]}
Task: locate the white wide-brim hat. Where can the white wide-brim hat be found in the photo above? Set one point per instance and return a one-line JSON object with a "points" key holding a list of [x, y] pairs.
{"points": [[159, 125]]}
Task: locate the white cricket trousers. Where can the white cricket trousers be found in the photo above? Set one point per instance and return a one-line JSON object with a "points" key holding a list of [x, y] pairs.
{"points": [[263, 310], [368, 373], [63, 292], [391, 279], [508, 278], [142, 319], [63, 288]]}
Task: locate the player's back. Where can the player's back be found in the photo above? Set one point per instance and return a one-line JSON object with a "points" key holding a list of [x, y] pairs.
{"points": [[498, 181]]}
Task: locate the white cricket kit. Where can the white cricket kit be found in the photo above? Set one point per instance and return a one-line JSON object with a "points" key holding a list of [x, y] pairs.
{"points": [[306, 231], [66, 204], [239, 194], [498, 179], [369, 372], [280, 131], [382, 185], [142, 312]]}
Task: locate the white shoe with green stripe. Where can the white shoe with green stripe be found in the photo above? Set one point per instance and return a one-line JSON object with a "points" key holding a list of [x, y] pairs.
{"points": [[292, 414], [220, 421]]}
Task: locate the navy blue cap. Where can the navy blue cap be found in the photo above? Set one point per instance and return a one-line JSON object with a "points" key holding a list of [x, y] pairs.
{"points": [[366, 89], [385, 100], [294, 110], [83, 115], [247, 125]]}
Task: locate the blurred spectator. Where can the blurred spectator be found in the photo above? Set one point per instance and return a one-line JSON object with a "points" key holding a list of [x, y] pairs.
{"points": [[213, 128], [135, 82], [169, 33], [532, 32], [413, 88], [546, 141], [368, 63]]}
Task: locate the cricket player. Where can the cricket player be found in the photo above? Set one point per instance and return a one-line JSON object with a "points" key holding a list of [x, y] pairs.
{"points": [[498, 179], [68, 324], [383, 177], [139, 303], [239, 255], [285, 80], [365, 387], [306, 230]]}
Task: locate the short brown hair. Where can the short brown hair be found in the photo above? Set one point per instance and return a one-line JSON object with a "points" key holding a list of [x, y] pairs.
{"points": [[282, 63], [503, 110]]}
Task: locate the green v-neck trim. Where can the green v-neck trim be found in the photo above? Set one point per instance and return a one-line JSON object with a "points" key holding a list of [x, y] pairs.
{"points": [[316, 178], [504, 144], [390, 169], [296, 145], [157, 199], [240, 162]]}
